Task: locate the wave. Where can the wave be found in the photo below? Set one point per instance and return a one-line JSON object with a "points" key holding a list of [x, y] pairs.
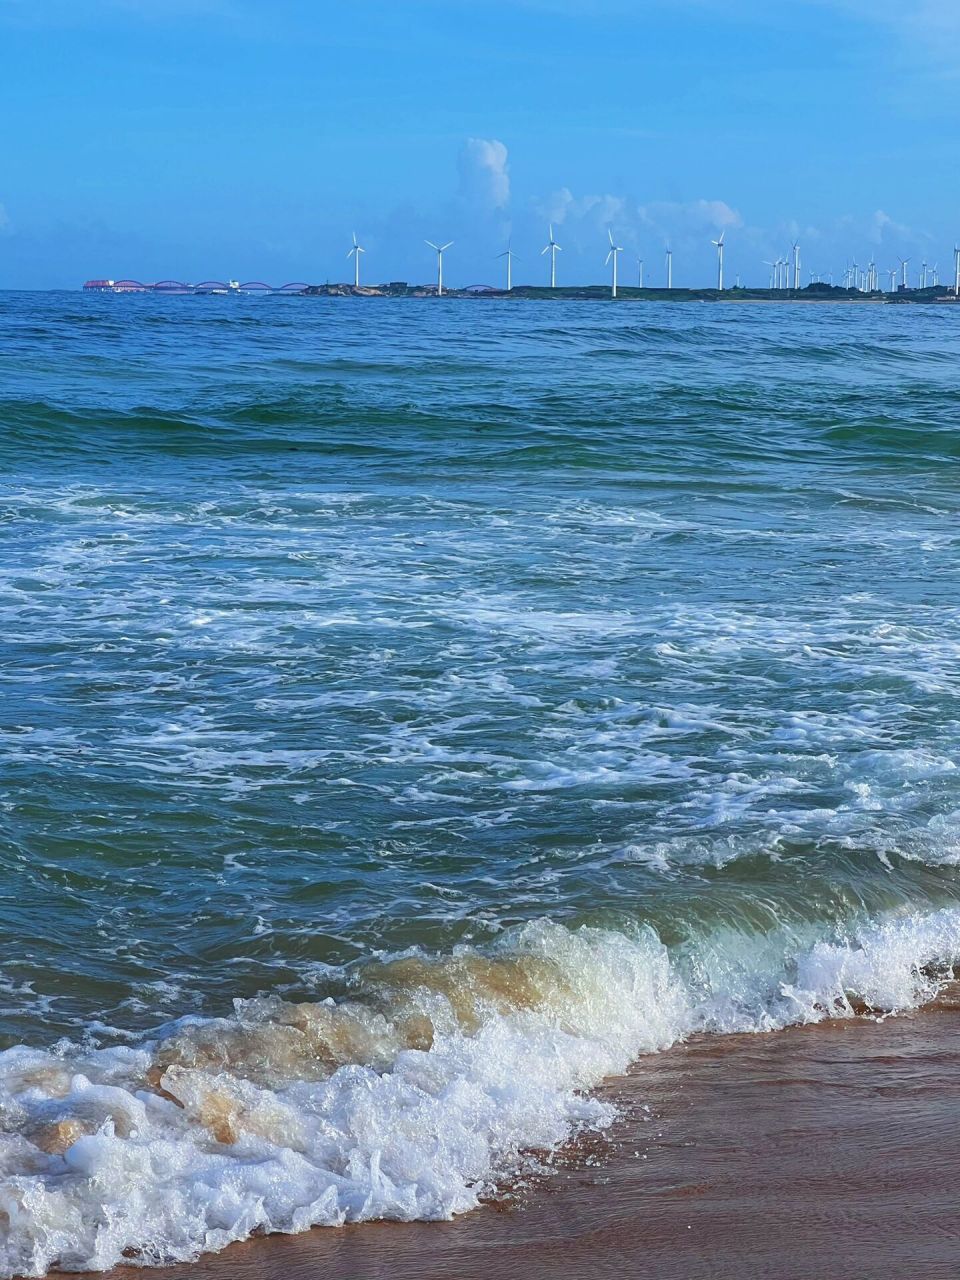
{"points": [[424, 1086]]}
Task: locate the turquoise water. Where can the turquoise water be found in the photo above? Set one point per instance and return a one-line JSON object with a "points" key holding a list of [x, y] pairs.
{"points": [[332, 628]]}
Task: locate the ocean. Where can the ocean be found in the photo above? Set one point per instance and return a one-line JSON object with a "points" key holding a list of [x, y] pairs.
{"points": [[415, 712]]}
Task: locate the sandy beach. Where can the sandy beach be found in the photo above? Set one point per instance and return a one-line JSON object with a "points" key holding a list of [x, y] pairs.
{"points": [[806, 1154]]}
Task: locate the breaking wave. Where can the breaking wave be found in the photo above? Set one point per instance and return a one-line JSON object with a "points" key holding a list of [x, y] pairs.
{"points": [[427, 1084]]}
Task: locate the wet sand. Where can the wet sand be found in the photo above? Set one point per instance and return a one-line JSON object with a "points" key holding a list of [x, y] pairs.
{"points": [[810, 1154]]}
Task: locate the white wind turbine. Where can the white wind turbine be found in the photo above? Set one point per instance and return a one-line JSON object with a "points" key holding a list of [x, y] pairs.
{"points": [[956, 271], [612, 257], [355, 253], [553, 249], [719, 244], [440, 250], [639, 273], [509, 255], [774, 266], [893, 279], [796, 264], [669, 268]]}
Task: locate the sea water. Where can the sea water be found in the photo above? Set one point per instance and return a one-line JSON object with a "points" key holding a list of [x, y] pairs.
{"points": [[414, 711]]}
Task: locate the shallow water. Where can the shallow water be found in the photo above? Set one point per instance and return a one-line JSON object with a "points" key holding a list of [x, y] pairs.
{"points": [[332, 628]]}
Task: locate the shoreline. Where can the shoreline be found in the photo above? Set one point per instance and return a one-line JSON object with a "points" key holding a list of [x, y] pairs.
{"points": [[938, 296], [803, 1154]]}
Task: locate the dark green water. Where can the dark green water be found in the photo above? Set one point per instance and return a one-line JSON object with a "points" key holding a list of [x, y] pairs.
{"points": [[331, 627]]}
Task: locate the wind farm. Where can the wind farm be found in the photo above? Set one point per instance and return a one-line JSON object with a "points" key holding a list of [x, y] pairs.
{"points": [[856, 283]]}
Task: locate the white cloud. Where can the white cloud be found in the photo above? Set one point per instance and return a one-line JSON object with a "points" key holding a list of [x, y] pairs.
{"points": [[883, 227], [484, 172], [664, 218], [694, 216]]}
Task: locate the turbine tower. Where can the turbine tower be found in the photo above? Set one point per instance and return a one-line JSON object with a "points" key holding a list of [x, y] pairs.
{"points": [[612, 257], [956, 272], [639, 273], [796, 264], [509, 255], [719, 244], [903, 270], [553, 249], [440, 251], [355, 253], [669, 268]]}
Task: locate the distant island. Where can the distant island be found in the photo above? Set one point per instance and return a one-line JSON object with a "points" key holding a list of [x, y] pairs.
{"points": [[817, 292]]}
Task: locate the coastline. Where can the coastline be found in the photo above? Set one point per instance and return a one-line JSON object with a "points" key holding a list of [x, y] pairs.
{"points": [[802, 1154], [940, 295]]}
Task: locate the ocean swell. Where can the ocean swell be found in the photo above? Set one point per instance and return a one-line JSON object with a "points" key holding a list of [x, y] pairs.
{"points": [[433, 1081]]}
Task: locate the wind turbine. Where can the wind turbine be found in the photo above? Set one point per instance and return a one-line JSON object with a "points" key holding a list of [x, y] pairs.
{"points": [[612, 257], [440, 251], [956, 269], [774, 267], [903, 269], [796, 264], [719, 244], [553, 249], [893, 279], [669, 268], [509, 255], [355, 253], [923, 274], [639, 273]]}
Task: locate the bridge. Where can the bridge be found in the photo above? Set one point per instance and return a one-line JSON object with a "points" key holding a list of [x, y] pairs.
{"points": [[204, 287]]}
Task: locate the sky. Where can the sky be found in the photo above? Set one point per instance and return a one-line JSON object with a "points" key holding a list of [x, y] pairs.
{"points": [[247, 139]]}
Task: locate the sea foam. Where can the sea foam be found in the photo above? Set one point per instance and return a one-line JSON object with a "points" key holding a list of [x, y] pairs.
{"points": [[437, 1079]]}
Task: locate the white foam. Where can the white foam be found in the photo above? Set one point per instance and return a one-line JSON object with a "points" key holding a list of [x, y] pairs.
{"points": [[407, 1101]]}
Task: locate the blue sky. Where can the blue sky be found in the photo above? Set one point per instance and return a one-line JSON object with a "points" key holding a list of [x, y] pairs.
{"points": [[248, 138]]}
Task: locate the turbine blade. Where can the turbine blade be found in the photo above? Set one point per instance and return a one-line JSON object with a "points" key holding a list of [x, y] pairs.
{"points": [[432, 245]]}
